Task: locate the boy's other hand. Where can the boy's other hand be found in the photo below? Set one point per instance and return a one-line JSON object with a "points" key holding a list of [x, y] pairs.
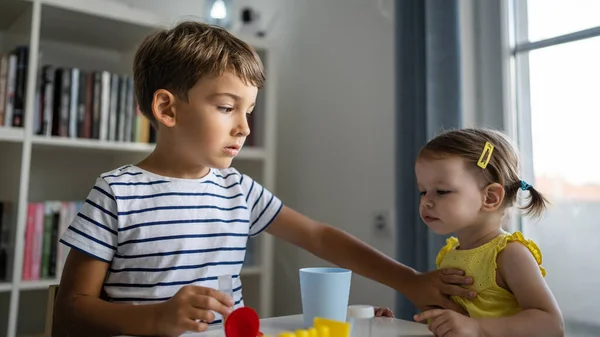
{"points": [[432, 289], [190, 310], [384, 312]]}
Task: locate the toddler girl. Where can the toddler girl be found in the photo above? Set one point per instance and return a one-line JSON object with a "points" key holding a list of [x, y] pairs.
{"points": [[468, 179]]}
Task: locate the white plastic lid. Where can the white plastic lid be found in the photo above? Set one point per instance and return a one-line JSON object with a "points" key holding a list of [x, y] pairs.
{"points": [[361, 311]]}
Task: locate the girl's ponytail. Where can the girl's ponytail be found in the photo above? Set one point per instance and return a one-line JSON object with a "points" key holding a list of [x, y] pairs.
{"points": [[537, 202]]}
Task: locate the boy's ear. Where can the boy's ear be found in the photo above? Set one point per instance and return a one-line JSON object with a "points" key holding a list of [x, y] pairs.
{"points": [[163, 107], [493, 197]]}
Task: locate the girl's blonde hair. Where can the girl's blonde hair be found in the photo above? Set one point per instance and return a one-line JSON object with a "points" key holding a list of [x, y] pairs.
{"points": [[502, 168]]}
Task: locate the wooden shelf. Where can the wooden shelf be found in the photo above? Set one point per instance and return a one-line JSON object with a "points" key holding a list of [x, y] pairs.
{"points": [[11, 10], [10, 134], [252, 270], [42, 142], [37, 284], [251, 153], [5, 286], [44, 284], [90, 144], [103, 24]]}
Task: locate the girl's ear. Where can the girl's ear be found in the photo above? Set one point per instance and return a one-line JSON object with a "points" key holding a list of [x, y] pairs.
{"points": [[493, 197], [163, 107]]}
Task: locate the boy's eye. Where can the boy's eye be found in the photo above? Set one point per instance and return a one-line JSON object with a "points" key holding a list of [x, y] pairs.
{"points": [[225, 109], [442, 192], [422, 193]]}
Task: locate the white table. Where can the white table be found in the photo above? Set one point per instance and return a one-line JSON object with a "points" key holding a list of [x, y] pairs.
{"points": [[382, 327]]}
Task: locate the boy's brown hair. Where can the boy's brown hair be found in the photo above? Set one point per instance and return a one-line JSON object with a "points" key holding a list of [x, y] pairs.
{"points": [[176, 59], [502, 168]]}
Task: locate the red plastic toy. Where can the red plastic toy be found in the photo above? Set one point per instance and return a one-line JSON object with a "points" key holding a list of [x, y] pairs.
{"points": [[243, 322]]}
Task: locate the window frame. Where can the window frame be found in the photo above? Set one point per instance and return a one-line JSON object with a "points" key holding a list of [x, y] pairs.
{"points": [[519, 113]]}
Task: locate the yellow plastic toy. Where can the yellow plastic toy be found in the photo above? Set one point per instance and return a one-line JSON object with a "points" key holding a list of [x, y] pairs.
{"points": [[322, 328]]}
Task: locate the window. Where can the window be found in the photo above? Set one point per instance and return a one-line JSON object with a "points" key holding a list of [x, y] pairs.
{"points": [[557, 92], [551, 18]]}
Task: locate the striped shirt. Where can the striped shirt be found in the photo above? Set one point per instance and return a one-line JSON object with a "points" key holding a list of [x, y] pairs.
{"points": [[160, 233]]}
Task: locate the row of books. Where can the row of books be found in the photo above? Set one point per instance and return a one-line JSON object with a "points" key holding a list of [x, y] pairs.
{"points": [[13, 79], [75, 103], [5, 207], [72, 102], [43, 256]]}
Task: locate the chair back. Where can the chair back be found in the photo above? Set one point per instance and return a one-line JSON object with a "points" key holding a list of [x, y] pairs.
{"points": [[52, 292]]}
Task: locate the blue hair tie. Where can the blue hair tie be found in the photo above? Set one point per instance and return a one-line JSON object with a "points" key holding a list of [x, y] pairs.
{"points": [[525, 186]]}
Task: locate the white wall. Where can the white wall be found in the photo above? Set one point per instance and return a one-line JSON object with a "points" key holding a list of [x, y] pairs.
{"points": [[336, 131]]}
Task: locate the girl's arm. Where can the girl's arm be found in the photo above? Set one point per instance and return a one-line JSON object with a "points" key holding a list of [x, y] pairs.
{"points": [[541, 315]]}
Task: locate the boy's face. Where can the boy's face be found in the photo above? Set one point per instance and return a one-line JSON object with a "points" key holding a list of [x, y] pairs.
{"points": [[451, 198], [211, 128]]}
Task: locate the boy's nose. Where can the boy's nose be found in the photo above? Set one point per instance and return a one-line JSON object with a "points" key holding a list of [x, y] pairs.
{"points": [[243, 128]]}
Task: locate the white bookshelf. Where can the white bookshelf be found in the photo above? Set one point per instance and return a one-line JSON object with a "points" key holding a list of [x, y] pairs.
{"points": [[96, 35]]}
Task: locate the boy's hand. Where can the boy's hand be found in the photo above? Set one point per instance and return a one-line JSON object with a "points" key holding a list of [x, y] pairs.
{"points": [[384, 312], [191, 303], [433, 289], [447, 323]]}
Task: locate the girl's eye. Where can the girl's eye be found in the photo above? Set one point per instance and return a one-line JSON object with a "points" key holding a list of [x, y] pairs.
{"points": [[422, 193], [440, 192], [225, 109]]}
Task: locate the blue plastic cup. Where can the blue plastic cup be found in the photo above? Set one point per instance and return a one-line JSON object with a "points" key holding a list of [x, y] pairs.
{"points": [[325, 293]]}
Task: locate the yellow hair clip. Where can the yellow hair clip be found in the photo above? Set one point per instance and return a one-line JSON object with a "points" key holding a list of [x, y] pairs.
{"points": [[483, 159]]}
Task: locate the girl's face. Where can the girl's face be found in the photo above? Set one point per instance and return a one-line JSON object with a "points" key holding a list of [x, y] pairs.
{"points": [[451, 196]]}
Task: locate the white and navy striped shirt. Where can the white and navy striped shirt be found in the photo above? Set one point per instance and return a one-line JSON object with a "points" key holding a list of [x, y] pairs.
{"points": [[160, 233]]}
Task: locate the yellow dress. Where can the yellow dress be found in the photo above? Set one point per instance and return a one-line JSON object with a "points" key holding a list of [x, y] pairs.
{"points": [[480, 263]]}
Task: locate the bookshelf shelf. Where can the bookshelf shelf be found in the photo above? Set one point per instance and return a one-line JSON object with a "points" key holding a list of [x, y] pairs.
{"points": [[46, 165], [5, 286], [108, 25], [90, 144], [252, 270], [10, 134], [247, 153], [44, 284], [251, 153], [10, 10], [36, 285]]}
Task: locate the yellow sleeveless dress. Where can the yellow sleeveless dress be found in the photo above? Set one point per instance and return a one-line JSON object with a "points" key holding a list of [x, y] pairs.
{"points": [[480, 263]]}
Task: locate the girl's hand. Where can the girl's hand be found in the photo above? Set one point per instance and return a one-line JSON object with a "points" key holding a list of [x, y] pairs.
{"points": [[190, 310], [383, 312], [448, 323]]}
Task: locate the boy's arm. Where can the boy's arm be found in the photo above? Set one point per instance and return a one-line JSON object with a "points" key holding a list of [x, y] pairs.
{"points": [[541, 315], [79, 309], [344, 250]]}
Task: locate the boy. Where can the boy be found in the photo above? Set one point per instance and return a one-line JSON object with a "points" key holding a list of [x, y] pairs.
{"points": [[160, 232]]}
